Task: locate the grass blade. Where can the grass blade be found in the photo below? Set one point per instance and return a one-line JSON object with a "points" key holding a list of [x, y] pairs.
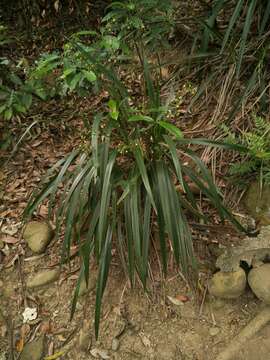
{"points": [[69, 159], [232, 22], [105, 200], [143, 172], [76, 293], [136, 228], [105, 261], [247, 25], [130, 245], [146, 238]]}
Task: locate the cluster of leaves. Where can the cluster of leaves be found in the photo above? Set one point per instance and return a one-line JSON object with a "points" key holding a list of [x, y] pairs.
{"points": [[15, 96], [146, 23], [257, 143]]}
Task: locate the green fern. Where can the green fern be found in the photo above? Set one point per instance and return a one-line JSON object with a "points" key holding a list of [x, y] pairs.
{"points": [[257, 141]]}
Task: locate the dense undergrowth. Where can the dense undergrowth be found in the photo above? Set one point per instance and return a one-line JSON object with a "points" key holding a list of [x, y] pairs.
{"points": [[134, 174]]}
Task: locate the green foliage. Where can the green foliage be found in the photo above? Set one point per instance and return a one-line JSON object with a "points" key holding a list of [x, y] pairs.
{"points": [[15, 95], [4, 37], [257, 143], [143, 22]]}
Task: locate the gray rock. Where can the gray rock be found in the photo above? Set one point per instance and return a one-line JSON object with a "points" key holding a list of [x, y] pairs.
{"points": [[228, 285], [257, 202], [251, 251], [33, 350], [38, 236], [259, 281], [43, 278]]}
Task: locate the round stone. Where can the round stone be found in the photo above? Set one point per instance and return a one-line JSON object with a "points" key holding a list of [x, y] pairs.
{"points": [[228, 285], [115, 344], [259, 281], [38, 236], [43, 278], [214, 331]]}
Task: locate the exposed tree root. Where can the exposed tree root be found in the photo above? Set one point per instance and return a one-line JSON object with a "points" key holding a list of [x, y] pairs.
{"points": [[256, 324]]}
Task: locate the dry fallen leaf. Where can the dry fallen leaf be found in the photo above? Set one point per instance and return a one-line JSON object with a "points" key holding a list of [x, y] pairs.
{"points": [[183, 298], [8, 239], [19, 345], [175, 301], [98, 353]]}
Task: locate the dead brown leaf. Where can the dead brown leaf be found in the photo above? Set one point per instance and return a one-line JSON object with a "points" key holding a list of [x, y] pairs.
{"points": [[8, 239]]}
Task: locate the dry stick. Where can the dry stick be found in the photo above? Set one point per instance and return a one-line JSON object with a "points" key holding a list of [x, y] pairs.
{"points": [[256, 324]]}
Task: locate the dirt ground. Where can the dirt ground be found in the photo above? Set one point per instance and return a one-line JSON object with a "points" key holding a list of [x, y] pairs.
{"points": [[167, 322], [146, 326]]}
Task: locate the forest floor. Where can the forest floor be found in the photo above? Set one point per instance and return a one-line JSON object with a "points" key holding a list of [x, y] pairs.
{"points": [[167, 322]]}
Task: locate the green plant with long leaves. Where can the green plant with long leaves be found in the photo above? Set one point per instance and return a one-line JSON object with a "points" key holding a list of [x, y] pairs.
{"points": [[114, 192]]}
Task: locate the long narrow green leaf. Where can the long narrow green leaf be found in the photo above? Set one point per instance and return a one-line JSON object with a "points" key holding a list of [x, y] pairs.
{"points": [[72, 181], [102, 277], [76, 293], [130, 244], [174, 130], [247, 25], [146, 238], [122, 247], [37, 199], [70, 222], [95, 134], [174, 156], [141, 118], [213, 143], [105, 200], [161, 229], [39, 195], [232, 22], [136, 228], [88, 246], [70, 158], [152, 93], [143, 172]]}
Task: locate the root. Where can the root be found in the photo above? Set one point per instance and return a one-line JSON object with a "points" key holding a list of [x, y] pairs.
{"points": [[256, 324]]}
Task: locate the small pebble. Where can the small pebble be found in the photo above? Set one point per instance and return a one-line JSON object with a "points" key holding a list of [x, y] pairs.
{"points": [[115, 344], [213, 331]]}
